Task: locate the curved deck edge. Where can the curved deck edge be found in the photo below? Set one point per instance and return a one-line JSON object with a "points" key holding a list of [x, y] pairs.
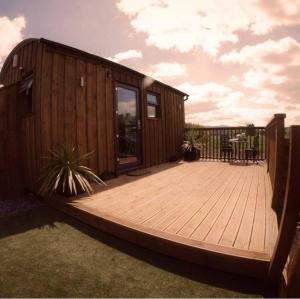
{"points": [[232, 260]]}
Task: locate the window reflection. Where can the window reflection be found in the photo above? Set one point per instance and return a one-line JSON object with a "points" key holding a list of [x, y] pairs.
{"points": [[127, 124], [153, 105]]}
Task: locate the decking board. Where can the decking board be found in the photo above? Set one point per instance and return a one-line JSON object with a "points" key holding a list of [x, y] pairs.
{"points": [[232, 228], [217, 210], [197, 200], [203, 204], [192, 225], [216, 231]]}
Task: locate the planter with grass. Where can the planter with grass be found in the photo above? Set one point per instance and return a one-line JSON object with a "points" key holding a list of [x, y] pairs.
{"points": [[251, 130], [191, 146], [65, 175]]}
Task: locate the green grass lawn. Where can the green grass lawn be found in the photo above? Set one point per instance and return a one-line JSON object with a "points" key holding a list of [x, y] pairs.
{"points": [[45, 253]]}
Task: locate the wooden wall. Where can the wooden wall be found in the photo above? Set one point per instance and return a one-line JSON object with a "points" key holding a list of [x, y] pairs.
{"points": [[89, 120], [161, 137], [30, 59], [65, 112], [27, 52], [164, 136], [10, 147], [78, 115]]}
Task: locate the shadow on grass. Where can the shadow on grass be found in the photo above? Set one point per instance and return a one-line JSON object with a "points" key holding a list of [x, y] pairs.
{"points": [[192, 271], [47, 218]]}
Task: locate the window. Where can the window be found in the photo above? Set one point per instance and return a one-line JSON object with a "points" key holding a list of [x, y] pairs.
{"points": [[25, 96], [153, 105]]}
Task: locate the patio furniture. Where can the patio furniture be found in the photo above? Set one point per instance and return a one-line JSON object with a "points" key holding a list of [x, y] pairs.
{"points": [[226, 147], [238, 145], [252, 151]]}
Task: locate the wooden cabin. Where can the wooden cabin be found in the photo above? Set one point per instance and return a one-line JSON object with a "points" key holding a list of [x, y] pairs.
{"points": [[55, 94]]}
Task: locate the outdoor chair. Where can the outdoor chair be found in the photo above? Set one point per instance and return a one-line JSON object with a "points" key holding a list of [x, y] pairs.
{"points": [[252, 151], [226, 147]]}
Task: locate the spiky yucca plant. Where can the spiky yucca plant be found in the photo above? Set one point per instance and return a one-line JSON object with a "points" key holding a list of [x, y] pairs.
{"points": [[65, 174], [191, 142]]}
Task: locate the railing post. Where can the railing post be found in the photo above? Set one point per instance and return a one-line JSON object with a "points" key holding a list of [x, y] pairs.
{"points": [[289, 219], [276, 157]]}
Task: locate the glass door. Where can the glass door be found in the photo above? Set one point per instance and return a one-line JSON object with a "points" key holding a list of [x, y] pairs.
{"points": [[128, 126]]}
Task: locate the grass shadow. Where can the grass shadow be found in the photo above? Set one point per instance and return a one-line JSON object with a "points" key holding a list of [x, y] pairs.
{"points": [[192, 271], [47, 218]]}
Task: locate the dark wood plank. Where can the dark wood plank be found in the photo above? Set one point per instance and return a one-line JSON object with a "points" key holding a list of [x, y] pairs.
{"points": [[290, 213], [69, 101], [81, 109], [91, 110], [45, 107], [110, 120], [101, 120]]}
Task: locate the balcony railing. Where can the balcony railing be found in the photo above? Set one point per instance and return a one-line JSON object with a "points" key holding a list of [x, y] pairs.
{"points": [[210, 139]]}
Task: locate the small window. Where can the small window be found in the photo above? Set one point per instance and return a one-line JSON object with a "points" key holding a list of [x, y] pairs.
{"points": [[25, 97], [153, 105]]}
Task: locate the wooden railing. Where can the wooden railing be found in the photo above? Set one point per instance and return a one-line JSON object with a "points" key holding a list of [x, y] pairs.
{"points": [[290, 215], [277, 158], [210, 142], [291, 277]]}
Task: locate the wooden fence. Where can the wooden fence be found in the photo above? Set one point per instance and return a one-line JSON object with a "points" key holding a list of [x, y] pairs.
{"points": [[290, 287], [210, 141], [288, 220], [277, 156]]}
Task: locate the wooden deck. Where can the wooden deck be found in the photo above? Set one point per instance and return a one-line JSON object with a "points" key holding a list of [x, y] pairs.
{"points": [[211, 213]]}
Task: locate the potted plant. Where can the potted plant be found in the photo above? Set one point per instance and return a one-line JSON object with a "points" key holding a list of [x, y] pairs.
{"points": [[191, 146], [65, 174], [250, 130]]}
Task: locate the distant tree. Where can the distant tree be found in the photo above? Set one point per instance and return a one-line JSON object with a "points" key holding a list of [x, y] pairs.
{"points": [[192, 126]]}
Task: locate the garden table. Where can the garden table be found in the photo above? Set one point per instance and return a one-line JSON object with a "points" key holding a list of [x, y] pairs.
{"points": [[238, 146]]}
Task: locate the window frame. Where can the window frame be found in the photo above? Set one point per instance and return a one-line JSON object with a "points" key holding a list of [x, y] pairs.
{"points": [[26, 95], [156, 106]]}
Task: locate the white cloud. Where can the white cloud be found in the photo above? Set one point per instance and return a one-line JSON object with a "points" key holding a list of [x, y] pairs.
{"points": [[167, 70], [235, 116], [184, 25], [265, 96], [130, 54], [268, 61], [211, 95], [272, 14], [204, 92], [257, 78], [259, 53], [216, 104], [233, 78], [10, 34]]}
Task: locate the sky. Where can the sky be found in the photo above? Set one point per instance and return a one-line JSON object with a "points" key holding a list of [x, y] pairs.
{"points": [[239, 60]]}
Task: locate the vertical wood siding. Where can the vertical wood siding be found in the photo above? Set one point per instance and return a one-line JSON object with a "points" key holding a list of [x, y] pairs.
{"points": [[171, 126], [10, 146], [27, 133], [65, 112], [75, 114], [27, 58]]}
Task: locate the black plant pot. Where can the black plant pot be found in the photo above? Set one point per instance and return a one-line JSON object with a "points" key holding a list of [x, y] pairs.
{"points": [[67, 192], [192, 155], [251, 131]]}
